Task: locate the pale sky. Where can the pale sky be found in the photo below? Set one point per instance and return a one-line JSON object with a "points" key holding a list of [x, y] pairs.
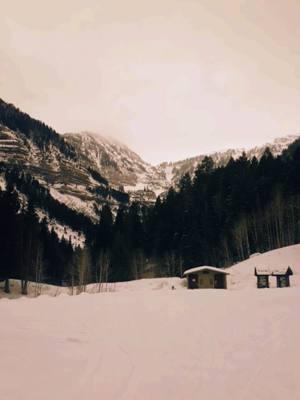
{"points": [[170, 78]]}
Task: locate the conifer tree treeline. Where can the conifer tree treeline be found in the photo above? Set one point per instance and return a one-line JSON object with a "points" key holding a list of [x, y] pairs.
{"points": [[218, 217], [29, 252], [40, 197], [224, 214]]}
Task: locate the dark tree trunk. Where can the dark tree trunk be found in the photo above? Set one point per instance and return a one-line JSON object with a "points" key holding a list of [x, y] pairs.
{"points": [[24, 287], [7, 287]]}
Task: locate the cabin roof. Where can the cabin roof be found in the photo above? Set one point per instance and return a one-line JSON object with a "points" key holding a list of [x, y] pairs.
{"points": [[282, 271], [205, 268], [273, 271], [262, 271]]}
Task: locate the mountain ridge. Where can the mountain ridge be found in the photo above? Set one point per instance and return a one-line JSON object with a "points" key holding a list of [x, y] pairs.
{"points": [[165, 174], [86, 170], [221, 158]]}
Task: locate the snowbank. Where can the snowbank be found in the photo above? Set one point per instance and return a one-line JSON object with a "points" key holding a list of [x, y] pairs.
{"points": [[242, 274], [141, 285]]}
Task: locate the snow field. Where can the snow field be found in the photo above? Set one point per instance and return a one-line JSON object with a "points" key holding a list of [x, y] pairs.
{"points": [[152, 345], [144, 341]]}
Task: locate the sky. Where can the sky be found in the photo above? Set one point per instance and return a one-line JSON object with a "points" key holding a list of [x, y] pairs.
{"points": [[170, 78]]}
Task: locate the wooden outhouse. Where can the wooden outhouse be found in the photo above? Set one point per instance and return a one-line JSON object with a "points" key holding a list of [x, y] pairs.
{"points": [[262, 275], [282, 276], [206, 277]]}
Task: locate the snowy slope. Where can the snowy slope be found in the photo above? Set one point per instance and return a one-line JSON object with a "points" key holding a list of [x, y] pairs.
{"points": [[150, 344], [69, 180], [121, 166], [242, 274]]}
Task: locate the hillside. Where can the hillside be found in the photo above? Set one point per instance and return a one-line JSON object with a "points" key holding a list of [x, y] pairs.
{"points": [[122, 167], [147, 341], [37, 150]]}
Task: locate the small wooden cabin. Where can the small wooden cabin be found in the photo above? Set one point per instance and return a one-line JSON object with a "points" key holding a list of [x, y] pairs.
{"points": [[206, 277], [262, 275], [282, 276]]}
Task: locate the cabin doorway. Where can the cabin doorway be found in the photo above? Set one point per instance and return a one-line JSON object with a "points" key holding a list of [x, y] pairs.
{"points": [[283, 281], [206, 281]]}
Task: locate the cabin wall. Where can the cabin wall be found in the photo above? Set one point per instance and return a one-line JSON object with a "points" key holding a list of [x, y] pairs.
{"points": [[221, 281], [272, 281], [192, 280], [207, 280]]}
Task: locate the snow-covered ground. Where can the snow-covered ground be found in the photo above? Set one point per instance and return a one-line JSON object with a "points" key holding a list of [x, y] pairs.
{"points": [[142, 340], [242, 274]]}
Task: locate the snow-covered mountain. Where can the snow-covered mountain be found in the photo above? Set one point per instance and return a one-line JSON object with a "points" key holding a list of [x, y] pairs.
{"points": [[86, 170], [105, 170], [69, 179], [175, 170], [122, 167], [126, 170]]}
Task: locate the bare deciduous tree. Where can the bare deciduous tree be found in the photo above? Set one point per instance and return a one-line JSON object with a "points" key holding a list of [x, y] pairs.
{"points": [[84, 269], [102, 269]]}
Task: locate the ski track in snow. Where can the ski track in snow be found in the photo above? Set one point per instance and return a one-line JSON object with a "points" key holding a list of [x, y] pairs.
{"points": [[234, 345], [146, 341]]}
